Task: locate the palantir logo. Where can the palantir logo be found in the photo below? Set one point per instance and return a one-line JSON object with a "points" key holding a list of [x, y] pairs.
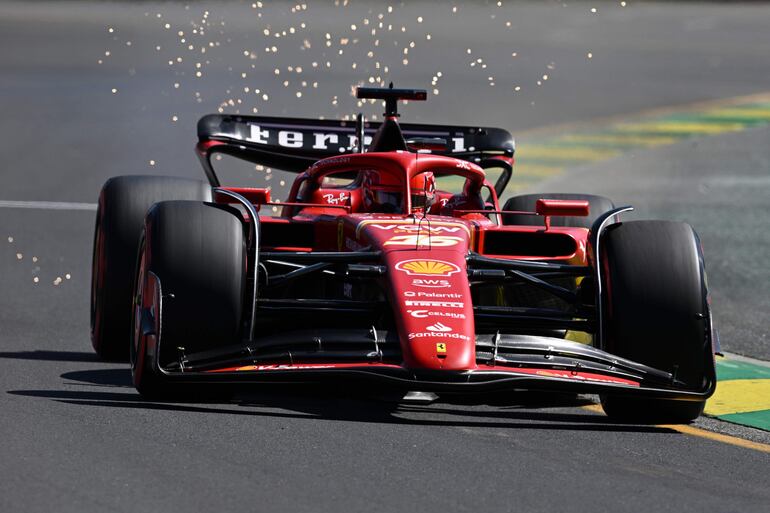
{"points": [[439, 327]]}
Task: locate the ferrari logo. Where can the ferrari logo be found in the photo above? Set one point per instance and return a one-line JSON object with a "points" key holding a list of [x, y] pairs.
{"points": [[441, 347]]}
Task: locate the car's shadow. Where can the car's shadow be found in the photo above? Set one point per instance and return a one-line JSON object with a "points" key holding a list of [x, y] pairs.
{"points": [[349, 404], [51, 356]]}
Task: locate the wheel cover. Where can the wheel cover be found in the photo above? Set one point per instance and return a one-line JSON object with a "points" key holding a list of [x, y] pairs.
{"points": [[146, 298]]}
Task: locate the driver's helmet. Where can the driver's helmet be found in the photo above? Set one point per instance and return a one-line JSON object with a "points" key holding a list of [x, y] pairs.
{"points": [[423, 187], [383, 193]]}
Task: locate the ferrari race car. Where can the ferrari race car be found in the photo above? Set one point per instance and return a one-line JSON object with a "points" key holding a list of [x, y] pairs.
{"points": [[392, 261]]}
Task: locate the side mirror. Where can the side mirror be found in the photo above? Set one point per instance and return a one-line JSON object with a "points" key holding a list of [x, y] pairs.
{"points": [[255, 195], [553, 207]]}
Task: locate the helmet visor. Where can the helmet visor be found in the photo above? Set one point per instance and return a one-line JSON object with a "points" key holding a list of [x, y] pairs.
{"points": [[419, 200], [387, 201]]}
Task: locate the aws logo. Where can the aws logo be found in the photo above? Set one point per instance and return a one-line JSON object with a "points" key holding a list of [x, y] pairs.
{"points": [[432, 284], [427, 268]]}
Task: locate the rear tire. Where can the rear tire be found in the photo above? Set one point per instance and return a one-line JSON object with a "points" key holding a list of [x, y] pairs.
{"points": [[656, 312], [526, 203], [197, 253], [123, 203]]}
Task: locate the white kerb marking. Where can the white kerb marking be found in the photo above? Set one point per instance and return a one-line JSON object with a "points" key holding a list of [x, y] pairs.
{"points": [[47, 205]]}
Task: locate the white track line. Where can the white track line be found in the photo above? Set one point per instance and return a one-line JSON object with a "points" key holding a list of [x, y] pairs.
{"points": [[47, 205]]}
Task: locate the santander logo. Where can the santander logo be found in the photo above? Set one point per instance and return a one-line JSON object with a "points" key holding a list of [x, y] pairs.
{"points": [[439, 327]]}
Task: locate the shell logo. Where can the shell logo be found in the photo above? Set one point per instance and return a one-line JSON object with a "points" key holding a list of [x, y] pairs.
{"points": [[427, 268]]}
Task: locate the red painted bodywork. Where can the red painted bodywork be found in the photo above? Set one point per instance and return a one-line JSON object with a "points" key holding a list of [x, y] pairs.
{"points": [[425, 255]]}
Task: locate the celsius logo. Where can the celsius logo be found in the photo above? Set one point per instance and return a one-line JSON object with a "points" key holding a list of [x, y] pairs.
{"points": [[427, 268], [439, 327], [422, 314]]}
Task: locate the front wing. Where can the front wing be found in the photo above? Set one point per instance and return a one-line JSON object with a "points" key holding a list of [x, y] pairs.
{"points": [[509, 363]]}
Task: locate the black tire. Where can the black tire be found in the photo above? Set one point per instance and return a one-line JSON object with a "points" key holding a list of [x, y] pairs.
{"points": [[197, 252], [123, 203], [526, 203], [656, 312]]}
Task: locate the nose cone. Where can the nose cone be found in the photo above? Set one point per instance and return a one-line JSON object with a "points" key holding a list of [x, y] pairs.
{"points": [[429, 291], [430, 303]]}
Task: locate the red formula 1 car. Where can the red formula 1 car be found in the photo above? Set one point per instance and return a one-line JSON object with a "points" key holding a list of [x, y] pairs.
{"points": [[392, 261]]}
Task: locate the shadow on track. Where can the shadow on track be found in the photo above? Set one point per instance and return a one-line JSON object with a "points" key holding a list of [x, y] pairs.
{"points": [[51, 356], [338, 404], [101, 377]]}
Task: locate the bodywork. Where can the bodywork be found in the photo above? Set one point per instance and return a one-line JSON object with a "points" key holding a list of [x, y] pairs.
{"points": [[442, 301]]}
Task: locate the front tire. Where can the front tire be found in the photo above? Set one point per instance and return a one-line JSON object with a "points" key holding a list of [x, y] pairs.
{"points": [[656, 313], [123, 203], [190, 282]]}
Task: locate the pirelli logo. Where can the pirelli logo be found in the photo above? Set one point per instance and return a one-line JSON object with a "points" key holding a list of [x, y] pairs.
{"points": [[439, 304]]}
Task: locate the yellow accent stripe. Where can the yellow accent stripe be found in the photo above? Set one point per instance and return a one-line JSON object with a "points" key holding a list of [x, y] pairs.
{"points": [[580, 337], [740, 113], [698, 107], [739, 396], [719, 437], [564, 153], [675, 127], [702, 433], [549, 151], [620, 139], [596, 408]]}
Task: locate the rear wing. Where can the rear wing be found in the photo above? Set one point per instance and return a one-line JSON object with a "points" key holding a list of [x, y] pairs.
{"points": [[294, 144]]}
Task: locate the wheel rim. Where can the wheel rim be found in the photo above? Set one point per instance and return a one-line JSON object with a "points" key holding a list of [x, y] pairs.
{"points": [[137, 347]]}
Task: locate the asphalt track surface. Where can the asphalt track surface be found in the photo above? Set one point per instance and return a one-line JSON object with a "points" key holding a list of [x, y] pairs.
{"points": [[75, 435]]}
